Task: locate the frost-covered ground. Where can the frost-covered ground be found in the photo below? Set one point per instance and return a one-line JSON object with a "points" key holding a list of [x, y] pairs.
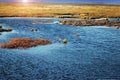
{"points": [[95, 55]]}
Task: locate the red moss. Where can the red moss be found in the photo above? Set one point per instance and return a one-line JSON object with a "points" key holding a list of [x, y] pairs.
{"points": [[24, 43], [3, 45]]}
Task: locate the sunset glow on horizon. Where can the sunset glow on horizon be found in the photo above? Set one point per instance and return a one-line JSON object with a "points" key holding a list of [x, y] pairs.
{"points": [[59, 0], [25, 1]]}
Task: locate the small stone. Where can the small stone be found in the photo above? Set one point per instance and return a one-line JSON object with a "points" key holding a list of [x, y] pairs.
{"points": [[65, 41], [0, 26], [34, 29], [77, 34], [118, 27]]}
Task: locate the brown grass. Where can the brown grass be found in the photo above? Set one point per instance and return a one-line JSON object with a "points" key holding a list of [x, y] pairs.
{"points": [[46, 10], [24, 43], [91, 22]]}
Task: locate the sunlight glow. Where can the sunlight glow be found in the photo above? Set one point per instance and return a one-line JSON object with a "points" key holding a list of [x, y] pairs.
{"points": [[25, 1]]}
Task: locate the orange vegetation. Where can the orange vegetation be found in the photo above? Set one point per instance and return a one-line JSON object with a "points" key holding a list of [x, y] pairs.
{"points": [[24, 43], [59, 11]]}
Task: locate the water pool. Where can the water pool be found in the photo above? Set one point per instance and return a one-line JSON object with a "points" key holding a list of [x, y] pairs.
{"points": [[94, 55]]}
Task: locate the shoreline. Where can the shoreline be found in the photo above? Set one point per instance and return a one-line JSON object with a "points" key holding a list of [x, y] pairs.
{"points": [[108, 22], [91, 22], [55, 17]]}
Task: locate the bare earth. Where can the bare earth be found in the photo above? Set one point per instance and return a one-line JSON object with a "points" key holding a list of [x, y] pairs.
{"points": [[60, 11]]}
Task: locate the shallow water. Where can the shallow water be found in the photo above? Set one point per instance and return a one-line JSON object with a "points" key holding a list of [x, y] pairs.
{"points": [[95, 55]]}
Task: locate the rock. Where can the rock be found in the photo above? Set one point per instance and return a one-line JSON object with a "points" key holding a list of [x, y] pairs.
{"points": [[0, 25], [77, 34], [34, 29], [17, 43], [5, 30], [65, 41], [118, 27], [1, 29]]}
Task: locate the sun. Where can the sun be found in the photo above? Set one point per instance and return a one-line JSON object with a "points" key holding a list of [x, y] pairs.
{"points": [[25, 1]]}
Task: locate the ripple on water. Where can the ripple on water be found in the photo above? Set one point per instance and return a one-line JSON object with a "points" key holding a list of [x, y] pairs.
{"points": [[92, 55]]}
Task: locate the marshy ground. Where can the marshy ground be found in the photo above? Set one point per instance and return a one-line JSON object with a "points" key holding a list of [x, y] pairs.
{"points": [[58, 10], [91, 53]]}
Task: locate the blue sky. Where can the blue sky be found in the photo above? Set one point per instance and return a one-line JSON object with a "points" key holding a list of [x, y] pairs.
{"points": [[62, 0]]}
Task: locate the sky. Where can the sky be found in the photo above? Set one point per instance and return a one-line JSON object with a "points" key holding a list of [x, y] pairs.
{"points": [[61, 0]]}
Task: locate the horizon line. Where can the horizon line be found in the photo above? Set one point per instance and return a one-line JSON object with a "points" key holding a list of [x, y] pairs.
{"points": [[62, 2]]}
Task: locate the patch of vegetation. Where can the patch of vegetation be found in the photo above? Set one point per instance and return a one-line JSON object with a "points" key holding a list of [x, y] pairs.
{"points": [[24, 43], [60, 11]]}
